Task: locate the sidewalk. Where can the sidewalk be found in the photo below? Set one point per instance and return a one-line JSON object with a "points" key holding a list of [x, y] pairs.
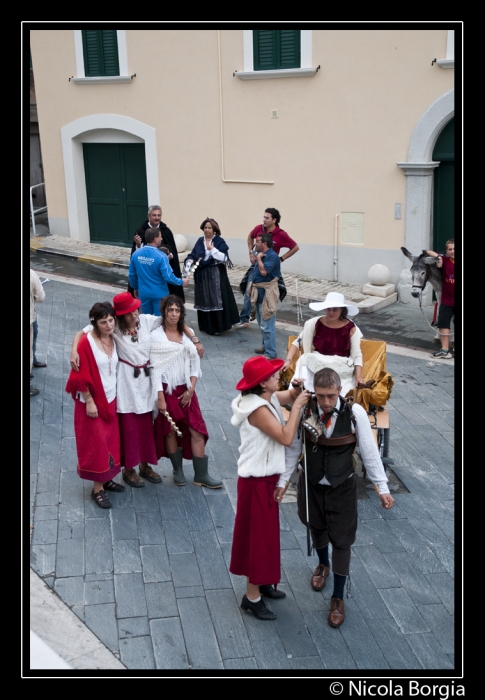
{"points": [[148, 581], [298, 286]]}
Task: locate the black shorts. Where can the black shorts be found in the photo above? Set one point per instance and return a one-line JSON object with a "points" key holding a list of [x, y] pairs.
{"points": [[445, 315]]}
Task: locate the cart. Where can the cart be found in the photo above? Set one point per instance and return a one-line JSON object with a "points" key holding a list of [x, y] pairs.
{"points": [[372, 396]]}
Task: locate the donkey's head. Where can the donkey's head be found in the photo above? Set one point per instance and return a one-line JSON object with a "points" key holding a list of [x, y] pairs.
{"points": [[423, 269]]}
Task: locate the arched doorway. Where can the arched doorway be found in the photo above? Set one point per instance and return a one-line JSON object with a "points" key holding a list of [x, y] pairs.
{"points": [[103, 129], [443, 188]]}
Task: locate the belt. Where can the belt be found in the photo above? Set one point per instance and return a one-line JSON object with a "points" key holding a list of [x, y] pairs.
{"points": [[146, 368], [345, 440]]}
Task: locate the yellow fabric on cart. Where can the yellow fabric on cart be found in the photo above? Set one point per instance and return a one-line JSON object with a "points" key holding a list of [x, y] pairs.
{"points": [[374, 367]]}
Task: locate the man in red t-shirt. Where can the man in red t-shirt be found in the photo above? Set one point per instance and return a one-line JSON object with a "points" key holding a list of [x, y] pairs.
{"points": [[271, 220], [447, 306]]}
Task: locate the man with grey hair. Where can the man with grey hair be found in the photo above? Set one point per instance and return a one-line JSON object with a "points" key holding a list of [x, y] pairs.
{"points": [[155, 221]]}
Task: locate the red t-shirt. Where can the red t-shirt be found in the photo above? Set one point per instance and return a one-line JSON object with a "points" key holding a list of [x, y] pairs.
{"points": [[280, 238], [448, 289]]}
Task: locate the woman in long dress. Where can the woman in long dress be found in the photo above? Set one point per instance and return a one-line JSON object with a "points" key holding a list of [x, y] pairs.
{"points": [[332, 340], [214, 299], [134, 399], [180, 430], [262, 478], [93, 389]]}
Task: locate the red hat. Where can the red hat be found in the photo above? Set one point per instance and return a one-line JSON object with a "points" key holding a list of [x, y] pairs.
{"points": [[256, 370], [125, 303]]}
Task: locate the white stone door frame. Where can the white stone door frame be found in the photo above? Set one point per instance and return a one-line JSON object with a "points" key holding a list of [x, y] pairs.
{"points": [[418, 169], [72, 151]]}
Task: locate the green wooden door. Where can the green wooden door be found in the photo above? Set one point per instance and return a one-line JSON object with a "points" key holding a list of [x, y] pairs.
{"points": [[444, 190], [116, 187]]}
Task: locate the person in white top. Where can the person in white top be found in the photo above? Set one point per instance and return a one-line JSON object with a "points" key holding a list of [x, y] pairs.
{"points": [[37, 295], [332, 340], [134, 397], [180, 429], [93, 389], [332, 488], [262, 478]]}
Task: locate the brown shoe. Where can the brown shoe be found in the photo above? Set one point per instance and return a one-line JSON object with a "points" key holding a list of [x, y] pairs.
{"points": [[337, 612], [319, 578], [148, 473], [131, 477]]}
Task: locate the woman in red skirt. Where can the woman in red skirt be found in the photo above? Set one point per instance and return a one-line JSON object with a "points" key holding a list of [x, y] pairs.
{"points": [[175, 369], [93, 389], [262, 478], [134, 389]]}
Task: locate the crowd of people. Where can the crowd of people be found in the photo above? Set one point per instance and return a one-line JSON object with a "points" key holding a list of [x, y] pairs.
{"points": [[134, 372]]}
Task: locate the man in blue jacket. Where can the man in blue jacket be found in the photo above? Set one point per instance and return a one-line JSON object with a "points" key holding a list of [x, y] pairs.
{"points": [[149, 273]]}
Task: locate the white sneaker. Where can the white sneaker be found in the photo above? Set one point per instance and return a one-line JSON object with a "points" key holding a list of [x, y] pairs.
{"points": [[241, 324]]}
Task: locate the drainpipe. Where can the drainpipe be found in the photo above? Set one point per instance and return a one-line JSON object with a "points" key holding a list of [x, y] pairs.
{"points": [[335, 250]]}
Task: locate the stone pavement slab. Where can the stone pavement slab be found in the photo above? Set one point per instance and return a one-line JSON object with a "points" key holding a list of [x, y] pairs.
{"points": [[149, 579]]}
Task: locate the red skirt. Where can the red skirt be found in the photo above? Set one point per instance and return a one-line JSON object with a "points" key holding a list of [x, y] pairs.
{"points": [[137, 439], [187, 417], [256, 540], [97, 444]]}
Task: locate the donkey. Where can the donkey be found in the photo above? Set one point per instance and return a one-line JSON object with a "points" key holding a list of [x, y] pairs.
{"points": [[424, 269]]}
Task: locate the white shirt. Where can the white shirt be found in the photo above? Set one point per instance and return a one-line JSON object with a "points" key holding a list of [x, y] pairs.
{"points": [[104, 365], [134, 393], [367, 448]]}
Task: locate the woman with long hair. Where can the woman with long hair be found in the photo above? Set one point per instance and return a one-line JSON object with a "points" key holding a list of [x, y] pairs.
{"points": [[214, 299], [176, 368]]}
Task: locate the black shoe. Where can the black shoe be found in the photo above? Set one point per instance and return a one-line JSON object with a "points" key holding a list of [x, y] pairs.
{"points": [[101, 499], [271, 592], [36, 363], [258, 609], [33, 390]]}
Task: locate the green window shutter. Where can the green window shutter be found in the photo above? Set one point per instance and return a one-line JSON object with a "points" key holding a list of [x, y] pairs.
{"points": [[274, 49], [100, 52]]}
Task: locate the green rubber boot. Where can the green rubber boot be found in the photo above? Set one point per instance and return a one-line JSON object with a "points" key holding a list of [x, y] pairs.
{"points": [[178, 472], [201, 477]]}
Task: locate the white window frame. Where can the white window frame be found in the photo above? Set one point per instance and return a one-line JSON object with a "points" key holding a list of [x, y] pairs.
{"points": [[305, 69], [449, 61], [81, 78]]}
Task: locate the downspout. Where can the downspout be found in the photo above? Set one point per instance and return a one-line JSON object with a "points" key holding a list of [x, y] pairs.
{"points": [[250, 182], [335, 250]]}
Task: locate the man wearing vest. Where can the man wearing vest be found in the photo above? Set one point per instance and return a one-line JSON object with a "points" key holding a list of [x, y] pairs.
{"points": [[332, 488]]}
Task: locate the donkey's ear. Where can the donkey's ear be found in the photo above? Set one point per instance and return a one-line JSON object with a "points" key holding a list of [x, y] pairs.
{"points": [[430, 260], [408, 254]]}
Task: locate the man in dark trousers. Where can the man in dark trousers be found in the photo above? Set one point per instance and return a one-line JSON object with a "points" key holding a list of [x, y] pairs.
{"points": [[332, 488], [155, 221]]}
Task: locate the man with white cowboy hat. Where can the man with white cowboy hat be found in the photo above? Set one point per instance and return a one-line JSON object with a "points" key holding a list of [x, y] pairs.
{"points": [[331, 340]]}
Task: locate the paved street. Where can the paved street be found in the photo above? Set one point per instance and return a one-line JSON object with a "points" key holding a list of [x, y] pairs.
{"points": [[150, 576]]}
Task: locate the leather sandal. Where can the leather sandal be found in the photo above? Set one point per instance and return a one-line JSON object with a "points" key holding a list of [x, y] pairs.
{"points": [[101, 499], [131, 477], [112, 486], [149, 474]]}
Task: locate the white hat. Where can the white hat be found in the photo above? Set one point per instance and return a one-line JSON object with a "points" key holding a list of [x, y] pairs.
{"points": [[334, 300]]}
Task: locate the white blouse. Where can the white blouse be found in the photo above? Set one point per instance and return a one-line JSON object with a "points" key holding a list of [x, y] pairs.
{"points": [[134, 392], [107, 370]]}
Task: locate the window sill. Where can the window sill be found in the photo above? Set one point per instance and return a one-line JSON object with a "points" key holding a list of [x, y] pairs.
{"points": [[446, 62], [103, 79], [284, 73]]}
